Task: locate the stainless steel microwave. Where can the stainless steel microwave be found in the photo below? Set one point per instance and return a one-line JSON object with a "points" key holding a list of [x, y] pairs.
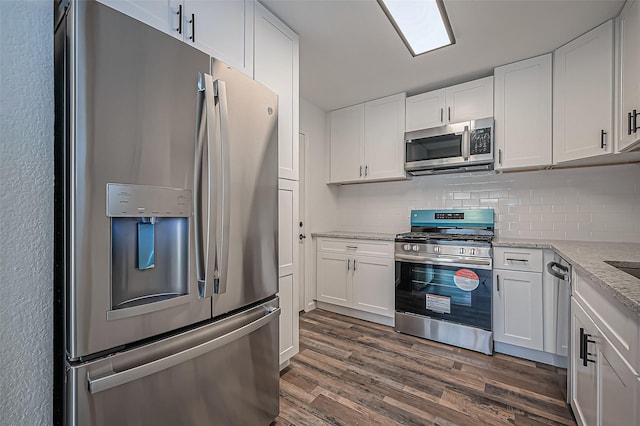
{"points": [[459, 147]]}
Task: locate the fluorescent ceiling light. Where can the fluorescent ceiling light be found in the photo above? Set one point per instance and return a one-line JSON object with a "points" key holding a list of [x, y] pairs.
{"points": [[423, 25]]}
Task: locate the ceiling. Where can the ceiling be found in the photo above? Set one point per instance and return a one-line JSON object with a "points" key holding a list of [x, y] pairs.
{"points": [[350, 53]]}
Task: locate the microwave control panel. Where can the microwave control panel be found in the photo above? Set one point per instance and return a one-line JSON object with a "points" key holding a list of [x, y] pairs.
{"points": [[481, 141]]}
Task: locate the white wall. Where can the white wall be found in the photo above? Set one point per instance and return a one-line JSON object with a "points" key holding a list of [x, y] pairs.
{"points": [[594, 203], [321, 199], [26, 212]]}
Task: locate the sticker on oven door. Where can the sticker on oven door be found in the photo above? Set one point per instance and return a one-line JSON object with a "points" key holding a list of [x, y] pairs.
{"points": [[439, 303], [466, 279]]}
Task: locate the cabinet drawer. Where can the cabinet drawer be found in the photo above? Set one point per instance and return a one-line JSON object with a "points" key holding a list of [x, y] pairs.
{"points": [[618, 323], [360, 247], [517, 259]]}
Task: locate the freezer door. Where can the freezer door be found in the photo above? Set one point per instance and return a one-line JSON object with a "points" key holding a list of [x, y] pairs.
{"points": [[224, 373], [246, 144], [134, 101]]}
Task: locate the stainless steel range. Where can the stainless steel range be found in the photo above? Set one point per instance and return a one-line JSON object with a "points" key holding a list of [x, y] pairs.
{"points": [[443, 277]]}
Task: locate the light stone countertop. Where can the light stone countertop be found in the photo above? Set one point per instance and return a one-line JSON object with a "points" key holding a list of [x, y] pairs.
{"points": [[588, 258], [350, 235]]}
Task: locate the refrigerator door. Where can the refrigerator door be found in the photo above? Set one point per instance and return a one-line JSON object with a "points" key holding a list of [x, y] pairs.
{"points": [[224, 373], [130, 246], [246, 141]]}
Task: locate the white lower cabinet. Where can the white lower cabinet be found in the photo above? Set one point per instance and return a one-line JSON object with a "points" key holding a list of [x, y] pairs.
{"points": [[352, 280], [605, 386], [517, 308]]}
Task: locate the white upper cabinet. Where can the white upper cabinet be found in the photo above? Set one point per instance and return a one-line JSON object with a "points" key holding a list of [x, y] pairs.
{"points": [[629, 128], [347, 144], [276, 66], [426, 110], [223, 29], [463, 102], [220, 28], [367, 141], [523, 114], [583, 96]]}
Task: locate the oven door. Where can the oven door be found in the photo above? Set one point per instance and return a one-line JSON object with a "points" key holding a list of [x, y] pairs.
{"points": [[441, 146], [455, 290]]}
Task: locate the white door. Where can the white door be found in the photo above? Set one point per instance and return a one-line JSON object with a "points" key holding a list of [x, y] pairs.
{"points": [[276, 66], [584, 380], [517, 308], [523, 113], [347, 143], [425, 111], [223, 29], [334, 278], [302, 236], [384, 137], [288, 259], [470, 101], [629, 75], [583, 96], [373, 285]]}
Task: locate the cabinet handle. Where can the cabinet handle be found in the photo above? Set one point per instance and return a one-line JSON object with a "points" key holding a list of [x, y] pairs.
{"points": [[354, 265], [179, 13], [449, 113], [516, 260], [442, 115], [193, 28], [629, 127], [348, 264], [360, 171], [500, 156], [498, 282], [603, 144], [635, 121], [352, 247], [584, 348], [366, 170]]}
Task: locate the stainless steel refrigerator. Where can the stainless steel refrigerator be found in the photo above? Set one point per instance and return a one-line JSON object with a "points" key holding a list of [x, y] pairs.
{"points": [[166, 230]]}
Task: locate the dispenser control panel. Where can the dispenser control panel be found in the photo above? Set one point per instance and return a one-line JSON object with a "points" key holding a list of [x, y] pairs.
{"points": [[147, 201]]}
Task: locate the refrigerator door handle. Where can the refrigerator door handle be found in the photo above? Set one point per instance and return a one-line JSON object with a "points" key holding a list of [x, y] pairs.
{"points": [[140, 371], [222, 240], [204, 132]]}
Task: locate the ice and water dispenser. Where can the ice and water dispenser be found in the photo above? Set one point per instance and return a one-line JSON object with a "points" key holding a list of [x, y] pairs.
{"points": [[149, 246]]}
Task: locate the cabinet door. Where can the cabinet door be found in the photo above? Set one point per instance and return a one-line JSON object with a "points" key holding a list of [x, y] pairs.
{"points": [[618, 387], [373, 285], [334, 276], [163, 15], [583, 96], [288, 267], [584, 381], [523, 114], [425, 111], [384, 138], [629, 75], [347, 144], [517, 308], [223, 29], [470, 101], [276, 66]]}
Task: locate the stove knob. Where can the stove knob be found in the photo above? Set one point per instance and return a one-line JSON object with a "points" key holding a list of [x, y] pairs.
{"points": [[407, 247], [436, 249], [461, 250], [415, 247], [472, 252]]}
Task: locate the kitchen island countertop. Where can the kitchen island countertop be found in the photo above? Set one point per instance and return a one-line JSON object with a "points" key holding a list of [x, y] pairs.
{"points": [[588, 258]]}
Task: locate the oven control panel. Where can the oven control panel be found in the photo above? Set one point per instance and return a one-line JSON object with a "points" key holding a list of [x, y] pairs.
{"points": [[450, 250]]}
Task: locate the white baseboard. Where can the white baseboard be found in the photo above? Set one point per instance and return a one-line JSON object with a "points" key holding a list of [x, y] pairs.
{"points": [[531, 354], [367, 316]]}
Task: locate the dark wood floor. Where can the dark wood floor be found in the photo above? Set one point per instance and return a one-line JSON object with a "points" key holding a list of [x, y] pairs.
{"points": [[353, 372]]}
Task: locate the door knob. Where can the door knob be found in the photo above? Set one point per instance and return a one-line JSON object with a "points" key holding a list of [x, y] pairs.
{"points": [[302, 237]]}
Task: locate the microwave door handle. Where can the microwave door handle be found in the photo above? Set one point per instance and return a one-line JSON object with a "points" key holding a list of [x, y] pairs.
{"points": [[466, 143], [222, 239]]}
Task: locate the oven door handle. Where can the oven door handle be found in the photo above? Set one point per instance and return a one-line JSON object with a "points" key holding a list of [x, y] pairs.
{"points": [[439, 260]]}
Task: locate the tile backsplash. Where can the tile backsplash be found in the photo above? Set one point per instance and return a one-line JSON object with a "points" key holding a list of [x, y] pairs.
{"points": [[594, 203]]}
